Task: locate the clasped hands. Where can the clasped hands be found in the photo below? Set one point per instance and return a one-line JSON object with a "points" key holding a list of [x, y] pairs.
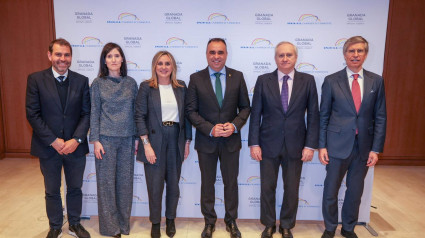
{"points": [[65, 147], [223, 130]]}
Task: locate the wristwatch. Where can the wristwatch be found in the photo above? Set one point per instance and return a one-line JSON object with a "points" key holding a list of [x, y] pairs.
{"points": [[145, 141], [78, 140]]}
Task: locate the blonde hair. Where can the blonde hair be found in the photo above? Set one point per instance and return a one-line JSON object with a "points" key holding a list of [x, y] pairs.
{"points": [[153, 81]]}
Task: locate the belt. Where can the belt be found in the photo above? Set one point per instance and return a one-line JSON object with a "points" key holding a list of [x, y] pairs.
{"points": [[169, 123]]}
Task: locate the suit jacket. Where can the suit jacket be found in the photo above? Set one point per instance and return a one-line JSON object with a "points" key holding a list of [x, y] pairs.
{"points": [[148, 119], [339, 119], [204, 112], [47, 117], [270, 127]]}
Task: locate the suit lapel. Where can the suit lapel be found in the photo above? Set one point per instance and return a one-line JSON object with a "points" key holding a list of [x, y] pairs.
{"points": [[345, 88], [367, 87], [296, 87], [51, 87], [228, 80], [273, 86], [209, 87], [180, 102], [156, 100], [70, 88]]}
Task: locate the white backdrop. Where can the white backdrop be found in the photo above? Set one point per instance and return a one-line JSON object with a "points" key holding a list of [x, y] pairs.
{"points": [[251, 29]]}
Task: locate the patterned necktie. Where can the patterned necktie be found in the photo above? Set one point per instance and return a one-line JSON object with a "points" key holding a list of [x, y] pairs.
{"points": [[355, 91], [284, 93], [61, 78], [218, 90]]}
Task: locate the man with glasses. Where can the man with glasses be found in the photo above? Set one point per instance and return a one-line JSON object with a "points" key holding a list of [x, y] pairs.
{"points": [[352, 132]]}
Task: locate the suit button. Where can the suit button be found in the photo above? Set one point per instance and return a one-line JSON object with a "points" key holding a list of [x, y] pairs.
{"points": [[153, 131], [62, 131]]}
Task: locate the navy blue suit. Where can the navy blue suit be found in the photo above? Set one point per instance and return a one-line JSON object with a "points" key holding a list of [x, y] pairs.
{"points": [[282, 137], [49, 120], [346, 150]]}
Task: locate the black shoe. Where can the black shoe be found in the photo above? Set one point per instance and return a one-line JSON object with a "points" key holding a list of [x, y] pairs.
{"points": [[170, 228], [286, 233], [233, 229], [348, 234], [268, 232], [54, 233], [328, 234], [78, 231], [208, 230], [156, 230], [117, 235]]}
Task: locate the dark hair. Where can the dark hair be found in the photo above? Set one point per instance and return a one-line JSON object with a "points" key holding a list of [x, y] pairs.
{"points": [[61, 42], [217, 40], [103, 69]]}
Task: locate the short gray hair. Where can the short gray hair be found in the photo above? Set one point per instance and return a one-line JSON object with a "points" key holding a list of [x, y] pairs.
{"points": [[286, 42]]}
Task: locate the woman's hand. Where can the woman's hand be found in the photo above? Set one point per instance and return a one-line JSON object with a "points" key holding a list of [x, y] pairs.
{"points": [[150, 154], [98, 150]]}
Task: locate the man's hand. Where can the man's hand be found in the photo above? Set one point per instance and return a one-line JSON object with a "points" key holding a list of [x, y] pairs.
{"points": [[98, 150], [58, 145], [217, 130], [149, 153], [307, 154], [228, 129], [256, 153], [69, 146], [186, 150], [323, 156], [372, 160]]}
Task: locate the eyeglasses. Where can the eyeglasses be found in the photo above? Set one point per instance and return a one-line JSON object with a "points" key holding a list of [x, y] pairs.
{"points": [[359, 51]]}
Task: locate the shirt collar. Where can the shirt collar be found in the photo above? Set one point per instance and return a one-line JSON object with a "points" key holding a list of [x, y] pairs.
{"points": [[212, 72], [56, 74], [280, 74], [349, 73]]}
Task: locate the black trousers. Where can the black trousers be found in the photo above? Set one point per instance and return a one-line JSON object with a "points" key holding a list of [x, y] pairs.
{"points": [[229, 166], [51, 168], [291, 174], [167, 171], [356, 170]]}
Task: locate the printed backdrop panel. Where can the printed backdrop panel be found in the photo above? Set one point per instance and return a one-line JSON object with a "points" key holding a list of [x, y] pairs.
{"points": [[252, 29]]}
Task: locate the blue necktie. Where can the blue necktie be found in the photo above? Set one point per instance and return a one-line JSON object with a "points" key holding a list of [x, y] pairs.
{"points": [[284, 93], [61, 78]]}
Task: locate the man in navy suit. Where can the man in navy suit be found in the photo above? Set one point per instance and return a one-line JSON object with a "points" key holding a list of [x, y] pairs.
{"points": [[217, 104], [352, 132], [58, 110], [279, 136]]}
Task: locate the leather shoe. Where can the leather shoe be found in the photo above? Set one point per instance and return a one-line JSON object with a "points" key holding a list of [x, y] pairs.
{"points": [[54, 233], [233, 229], [156, 230], [170, 228], [117, 235], [78, 231], [268, 232], [328, 234], [208, 230], [286, 233], [348, 234]]}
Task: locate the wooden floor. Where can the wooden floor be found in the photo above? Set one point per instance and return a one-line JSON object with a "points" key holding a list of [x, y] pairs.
{"points": [[398, 195]]}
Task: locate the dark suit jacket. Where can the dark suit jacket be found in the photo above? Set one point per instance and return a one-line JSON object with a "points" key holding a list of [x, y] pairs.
{"points": [[47, 117], [339, 119], [148, 119], [270, 127], [204, 112]]}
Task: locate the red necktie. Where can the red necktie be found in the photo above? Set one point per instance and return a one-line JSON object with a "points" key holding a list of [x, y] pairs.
{"points": [[355, 91], [357, 97]]}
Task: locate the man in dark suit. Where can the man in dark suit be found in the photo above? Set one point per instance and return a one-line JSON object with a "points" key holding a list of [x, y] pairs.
{"points": [[217, 104], [352, 132], [58, 109], [279, 136]]}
